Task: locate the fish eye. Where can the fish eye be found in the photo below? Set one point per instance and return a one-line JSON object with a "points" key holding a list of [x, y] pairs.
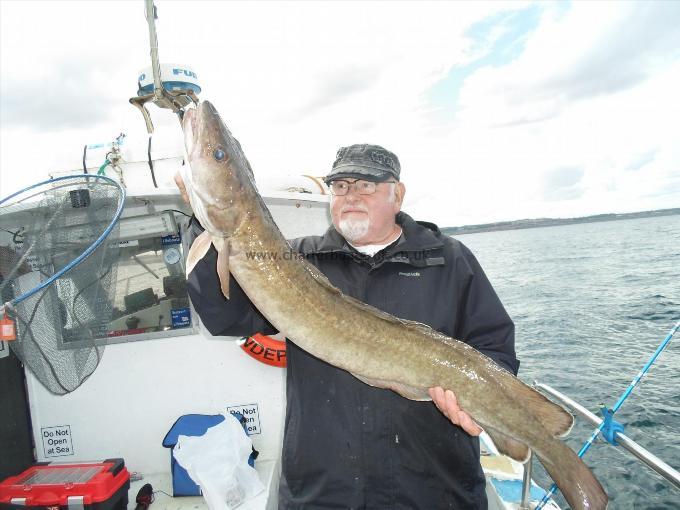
{"points": [[219, 154]]}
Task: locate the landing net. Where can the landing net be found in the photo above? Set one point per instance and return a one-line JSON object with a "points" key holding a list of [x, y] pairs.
{"points": [[58, 274]]}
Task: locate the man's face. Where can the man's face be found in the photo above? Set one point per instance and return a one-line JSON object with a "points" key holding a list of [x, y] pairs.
{"points": [[367, 219]]}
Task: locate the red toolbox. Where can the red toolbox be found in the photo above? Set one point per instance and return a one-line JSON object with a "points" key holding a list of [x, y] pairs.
{"points": [[55, 486]]}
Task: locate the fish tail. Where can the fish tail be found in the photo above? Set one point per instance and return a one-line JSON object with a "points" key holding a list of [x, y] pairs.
{"points": [[576, 481], [556, 420]]}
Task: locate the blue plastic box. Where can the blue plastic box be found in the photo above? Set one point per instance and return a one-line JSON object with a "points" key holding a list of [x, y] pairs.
{"points": [[193, 425]]}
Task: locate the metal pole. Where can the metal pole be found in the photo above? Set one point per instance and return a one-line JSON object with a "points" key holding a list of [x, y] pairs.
{"points": [[648, 458], [153, 42], [526, 484]]}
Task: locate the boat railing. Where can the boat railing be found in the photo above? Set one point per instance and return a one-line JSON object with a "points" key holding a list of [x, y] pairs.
{"points": [[646, 457], [525, 503], [620, 439]]}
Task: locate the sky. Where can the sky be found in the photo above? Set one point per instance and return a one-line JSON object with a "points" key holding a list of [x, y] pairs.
{"points": [[497, 111]]}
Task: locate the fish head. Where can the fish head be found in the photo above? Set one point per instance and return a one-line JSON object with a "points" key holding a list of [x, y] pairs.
{"points": [[219, 179]]}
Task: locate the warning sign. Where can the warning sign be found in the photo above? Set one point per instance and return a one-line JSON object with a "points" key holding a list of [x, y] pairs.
{"points": [[251, 415], [57, 441]]}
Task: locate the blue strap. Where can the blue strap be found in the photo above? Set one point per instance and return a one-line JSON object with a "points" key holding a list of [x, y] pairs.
{"points": [[610, 427]]}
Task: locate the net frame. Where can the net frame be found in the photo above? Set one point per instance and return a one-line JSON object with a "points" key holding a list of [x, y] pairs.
{"points": [[47, 300]]}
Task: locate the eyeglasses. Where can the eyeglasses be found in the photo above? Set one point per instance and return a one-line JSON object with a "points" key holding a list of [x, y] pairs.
{"points": [[341, 187]]}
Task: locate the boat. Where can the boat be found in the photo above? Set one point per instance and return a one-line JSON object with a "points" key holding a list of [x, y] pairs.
{"points": [[153, 370], [160, 364]]}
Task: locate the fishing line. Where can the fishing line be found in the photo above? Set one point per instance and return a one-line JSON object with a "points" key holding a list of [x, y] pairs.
{"points": [[608, 414]]}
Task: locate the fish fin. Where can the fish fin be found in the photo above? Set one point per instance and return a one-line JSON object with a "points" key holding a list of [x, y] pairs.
{"points": [[557, 420], [410, 392], [507, 445], [576, 481], [222, 247], [198, 249], [325, 282], [320, 277]]}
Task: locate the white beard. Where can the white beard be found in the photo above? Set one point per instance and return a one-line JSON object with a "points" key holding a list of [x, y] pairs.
{"points": [[354, 229]]}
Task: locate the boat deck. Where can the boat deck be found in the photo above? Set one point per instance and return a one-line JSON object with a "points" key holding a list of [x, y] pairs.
{"points": [[267, 469]]}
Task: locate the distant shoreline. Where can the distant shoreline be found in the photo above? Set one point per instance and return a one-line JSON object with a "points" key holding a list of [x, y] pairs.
{"points": [[551, 222]]}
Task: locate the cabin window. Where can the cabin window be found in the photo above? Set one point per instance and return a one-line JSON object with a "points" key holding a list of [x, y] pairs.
{"points": [[151, 299], [151, 292]]}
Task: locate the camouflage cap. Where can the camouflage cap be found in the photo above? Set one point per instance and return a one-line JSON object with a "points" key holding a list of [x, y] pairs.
{"points": [[365, 161]]}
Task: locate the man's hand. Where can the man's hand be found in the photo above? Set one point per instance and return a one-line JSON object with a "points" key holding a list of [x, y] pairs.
{"points": [[182, 188], [447, 403]]}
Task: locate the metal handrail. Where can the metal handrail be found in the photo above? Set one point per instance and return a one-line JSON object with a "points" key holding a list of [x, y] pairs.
{"points": [[646, 457], [525, 504]]}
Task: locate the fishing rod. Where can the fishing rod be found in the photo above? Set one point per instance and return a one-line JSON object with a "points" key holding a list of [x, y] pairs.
{"points": [[610, 429]]}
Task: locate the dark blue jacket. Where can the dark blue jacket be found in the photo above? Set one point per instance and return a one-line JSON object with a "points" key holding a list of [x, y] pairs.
{"points": [[350, 445]]}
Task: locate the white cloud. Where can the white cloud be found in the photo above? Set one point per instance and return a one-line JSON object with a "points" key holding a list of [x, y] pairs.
{"points": [[520, 123], [297, 80]]}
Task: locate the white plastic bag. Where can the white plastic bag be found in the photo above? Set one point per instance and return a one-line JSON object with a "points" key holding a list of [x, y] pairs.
{"points": [[217, 461]]}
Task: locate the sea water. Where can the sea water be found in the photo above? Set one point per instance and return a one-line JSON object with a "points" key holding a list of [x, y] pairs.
{"points": [[591, 303]]}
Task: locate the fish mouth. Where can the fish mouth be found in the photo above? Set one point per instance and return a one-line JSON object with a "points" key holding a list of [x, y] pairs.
{"points": [[193, 125], [189, 121]]}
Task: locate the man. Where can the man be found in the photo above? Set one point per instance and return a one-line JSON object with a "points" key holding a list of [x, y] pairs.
{"points": [[347, 444]]}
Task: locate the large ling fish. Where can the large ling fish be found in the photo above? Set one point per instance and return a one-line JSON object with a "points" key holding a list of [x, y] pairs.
{"points": [[298, 300]]}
